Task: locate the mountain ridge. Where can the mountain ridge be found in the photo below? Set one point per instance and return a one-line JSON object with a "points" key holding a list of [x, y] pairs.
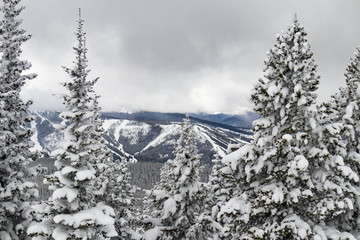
{"points": [[149, 136]]}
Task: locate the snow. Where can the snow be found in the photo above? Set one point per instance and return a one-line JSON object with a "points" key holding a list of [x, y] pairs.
{"points": [[348, 172], [287, 137], [119, 127], [302, 101], [108, 123], [152, 234], [85, 217], [334, 129], [160, 194], [166, 131], [59, 233], [307, 193], [349, 110], [324, 233], [66, 192], [84, 175], [132, 130], [278, 195], [297, 87], [295, 194], [313, 123], [82, 128], [68, 170], [263, 122], [272, 193], [169, 207], [39, 228], [4, 236], [301, 162], [53, 141], [299, 226], [62, 179], [354, 156], [34, 139], [233, 158], [237, 204], [268, 72], [126, 128], [202, 132], [275, 131]]}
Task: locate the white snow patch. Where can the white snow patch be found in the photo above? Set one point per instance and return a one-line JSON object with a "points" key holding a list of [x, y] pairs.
{"points": [[41, 229], [287, 137], [201, 131], [233, 158], [272, 90], [169, 207], [108, 123], [84, 174], [67, 170], [167, 130], [34, 139], [59, 233], [301, 162], [278, 195], [66, 192], [84, 217], [152, 234]]}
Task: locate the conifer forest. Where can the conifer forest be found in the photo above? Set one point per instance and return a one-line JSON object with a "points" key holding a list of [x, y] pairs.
{"points": [[298, 177]]}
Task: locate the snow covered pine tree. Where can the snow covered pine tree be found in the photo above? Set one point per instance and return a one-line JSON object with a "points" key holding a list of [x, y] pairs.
{"points": [[176, 201], [279, 193], [74, 210], [15, 139], [334, 110], [120, 194], [217, 194], [341, 136], [351, 137]]}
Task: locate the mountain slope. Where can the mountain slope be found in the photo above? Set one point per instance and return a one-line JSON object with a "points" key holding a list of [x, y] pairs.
{"points": [[146, 136]]}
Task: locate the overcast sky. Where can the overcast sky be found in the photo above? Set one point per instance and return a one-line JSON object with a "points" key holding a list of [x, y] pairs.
{"points": [[180, 55]]}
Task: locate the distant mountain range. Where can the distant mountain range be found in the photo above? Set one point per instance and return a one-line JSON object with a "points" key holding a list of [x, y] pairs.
{"points": [[151, 136]]}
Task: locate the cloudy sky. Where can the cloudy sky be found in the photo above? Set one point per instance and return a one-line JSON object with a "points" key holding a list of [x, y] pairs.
{"points": [[180, 55]]}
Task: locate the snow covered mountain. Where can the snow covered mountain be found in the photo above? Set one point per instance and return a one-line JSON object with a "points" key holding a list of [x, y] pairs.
{"points": [[149, 136]]}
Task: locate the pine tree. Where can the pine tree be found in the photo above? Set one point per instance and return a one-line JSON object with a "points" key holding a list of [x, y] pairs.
{"points": [[283, 180], [121, 196], [176, 201], [15, 192], [335, 109], [75, 212], [217, 194], [341, 138], [351, 138]]}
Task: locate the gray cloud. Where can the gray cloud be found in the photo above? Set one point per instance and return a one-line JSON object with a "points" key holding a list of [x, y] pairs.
{"points": [[181, 55]]}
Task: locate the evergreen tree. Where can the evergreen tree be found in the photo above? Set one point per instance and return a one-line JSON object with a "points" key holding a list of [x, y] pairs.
{"points": [[334, 110], [351, 138], [283, 179], [341, 137], [217, 194], [15, 192], [352, 110], [176, 201], [121, 196], [75, 212]]}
